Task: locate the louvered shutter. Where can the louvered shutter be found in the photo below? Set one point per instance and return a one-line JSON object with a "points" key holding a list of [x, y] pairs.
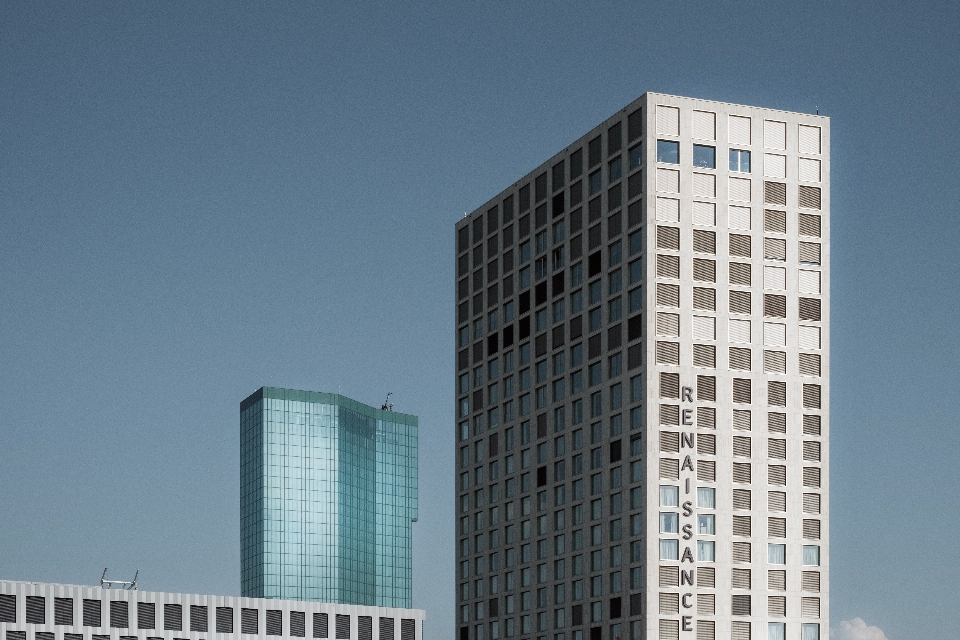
{"points": [[706, 629], [775, 278], [741, 419], [198, 618], [668, 324], [8, 608], [809, 252], [320, 626], [705, 299], [738, 218], [774, 134], [739, 359], [775, 249], [668, 120], [274, 622], [147, 616], [704, 125], [740, 275], [811, 503], [811, 529], [741, 604], [811, 477], [705, 214], [777, 580], [809, 170], [811, 425], [668, 353], [809, 280], [386, 629], [668, 180], [408, 629], [741, 446], [808, 197], [342, 627], [706, 577], [739, 329], [776, 422], [364, 628], [775, 193], [742, 527], [669, 630], [706, 444], [739, 630], [809, 364], [249, 621], [704, 185], [707, 417], [774, 221], [808, 225], [35, 610], [777, 527], [810, 581], [739, 189], [668, 295], [774, 362], [811, 451], [670, 414], [811, 396], [224, 619], [669, 576], [774, 306], [741, 472], [670, 441], [777, 448], [809, 139], [777, 606], [63, 612], [668, 266], [740, 578], [774, 166], [741, 390], [669, 468], [298, 625], [173, 617], [777, 475], [704, 241], [738, 130], [91, 613], [810, 607], [668, 238], [777, 393], [704, 328], [668, 210], [740, 302], [809, 337], [704, 355], [669, 603]]}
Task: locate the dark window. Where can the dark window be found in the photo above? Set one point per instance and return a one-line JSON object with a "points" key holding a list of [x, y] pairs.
{"points": [[274, 619], [614, 135], [557, 206], [576, 193], [540, 186], [507, 210], [594, 151], [224, 619], [172, 617], [635, 125], [634, 185], [36, 610], [198, 618], [594, 264], [298, 624], [478, 229], [704, 156], [596, 182], [63, 611], [558, 176], [576, 164], [463, 238], [614, 197], [668, 151], [91, 613], [147, 615], [524, 197], [492, 219]]}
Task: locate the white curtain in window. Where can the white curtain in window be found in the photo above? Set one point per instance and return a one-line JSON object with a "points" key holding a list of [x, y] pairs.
{"points": [[776, 631]]}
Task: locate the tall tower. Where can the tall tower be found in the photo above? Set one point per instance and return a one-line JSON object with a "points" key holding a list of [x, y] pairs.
{"points": [[328, 496], [642, 384]]}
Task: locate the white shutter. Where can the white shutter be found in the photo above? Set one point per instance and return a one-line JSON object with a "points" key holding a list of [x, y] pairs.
{"points": [[705, 185], [668, 210], [809, 281], [739, 189], [668, 180], [774, 134], [774, 165], [809, 139], [740, 331], [704, 328], [809, 337], [705, 125], [809, 170], [774, 334], [775, 278], [668, 120], [739, 217], [739, 130], [705, 214]]}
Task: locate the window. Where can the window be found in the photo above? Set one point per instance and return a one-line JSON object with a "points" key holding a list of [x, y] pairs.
{"points": [[706, 550], [596, 182], [777, 553], [669, 522], [615, 171], [739, 161], [704, 156], [668, 151], [706, 496], [635, 158], [669, 496], [811, 555], [669, 549], [706, 524]]}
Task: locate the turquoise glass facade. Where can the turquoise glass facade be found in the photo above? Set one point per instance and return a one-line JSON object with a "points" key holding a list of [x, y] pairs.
{"points": [[328, 495]]}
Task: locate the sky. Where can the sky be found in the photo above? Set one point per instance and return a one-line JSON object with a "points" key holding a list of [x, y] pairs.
{"points": [[199, 199]]}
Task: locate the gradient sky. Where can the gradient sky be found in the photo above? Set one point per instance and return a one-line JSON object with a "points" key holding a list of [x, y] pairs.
{"points": [[198, 199]]}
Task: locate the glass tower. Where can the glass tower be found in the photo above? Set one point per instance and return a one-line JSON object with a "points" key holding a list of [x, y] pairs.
{"points": [[328, 492]]}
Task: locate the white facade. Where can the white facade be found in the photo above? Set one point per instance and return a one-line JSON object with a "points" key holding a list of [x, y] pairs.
{"points": [[642, 393], [44, 611]]}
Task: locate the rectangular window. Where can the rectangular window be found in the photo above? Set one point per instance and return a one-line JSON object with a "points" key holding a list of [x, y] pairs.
{"points": [[704, 156], [668, 151], [739, 161]]}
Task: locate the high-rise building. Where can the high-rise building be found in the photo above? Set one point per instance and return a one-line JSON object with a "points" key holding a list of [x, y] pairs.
{"points": [[642, 384], [328, 498]]}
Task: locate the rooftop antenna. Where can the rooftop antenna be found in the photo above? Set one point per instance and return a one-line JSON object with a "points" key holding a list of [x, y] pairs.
{"points": [[127, 586], [386, 403], [818, 109]]}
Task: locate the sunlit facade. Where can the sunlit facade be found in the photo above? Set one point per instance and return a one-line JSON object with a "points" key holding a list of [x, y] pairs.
{"points": [[328, 498]]}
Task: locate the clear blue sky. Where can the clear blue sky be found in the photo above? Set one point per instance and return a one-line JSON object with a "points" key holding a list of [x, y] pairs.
{"points": [[198, 199]]}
